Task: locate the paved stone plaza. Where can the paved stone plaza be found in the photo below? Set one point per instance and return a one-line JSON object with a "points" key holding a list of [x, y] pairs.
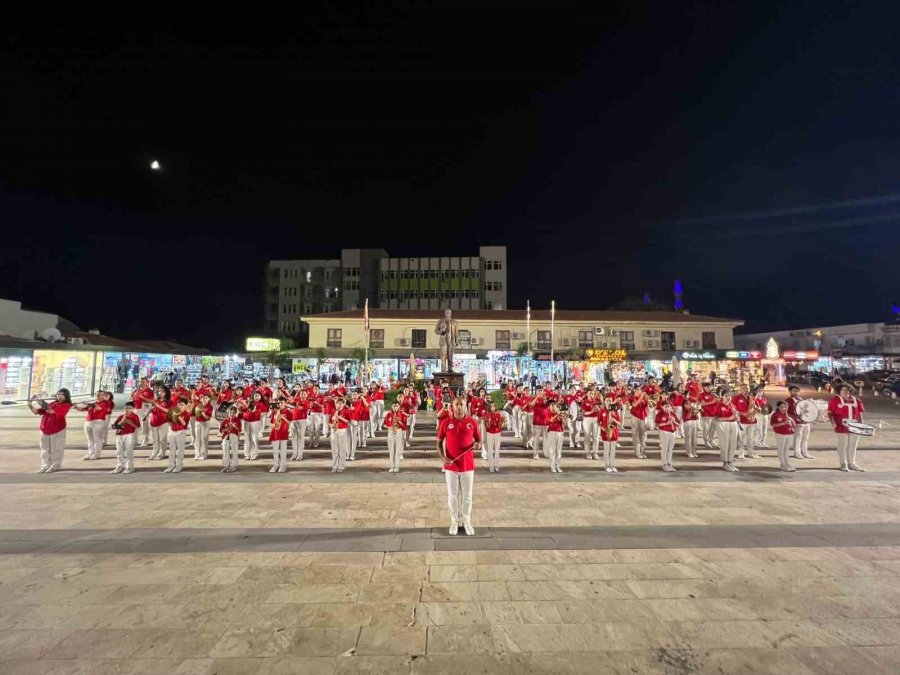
{"points": [[313, 572]]}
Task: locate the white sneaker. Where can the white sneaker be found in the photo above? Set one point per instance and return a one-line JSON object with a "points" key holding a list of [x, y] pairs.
{"points": [[559, 469], [168, 469], [454, 527], [131, 470], [282, 470], [609, 469], [468, 528], [273, 469], [43, 469], [854, 467], [589, 456], [118, 469]]}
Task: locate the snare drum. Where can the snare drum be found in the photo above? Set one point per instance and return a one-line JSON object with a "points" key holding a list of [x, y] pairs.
{"points": [[859, 428]]}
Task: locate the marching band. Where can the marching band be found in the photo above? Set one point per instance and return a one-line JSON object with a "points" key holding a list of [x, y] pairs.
{"points": [[590, 416]]}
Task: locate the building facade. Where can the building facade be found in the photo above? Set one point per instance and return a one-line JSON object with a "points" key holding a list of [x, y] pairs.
{"points": [[297, 288], [28, 324], [857, 347]]}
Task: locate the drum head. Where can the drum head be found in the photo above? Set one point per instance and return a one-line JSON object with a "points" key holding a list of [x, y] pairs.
{"points": [[807, 411], [860, 428]]}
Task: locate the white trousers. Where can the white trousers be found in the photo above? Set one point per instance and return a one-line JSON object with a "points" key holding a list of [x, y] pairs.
{"points": [[728, 440], [459, 494], [538, 434], [230, 451], [298, 437], [279, 455], [376, 412], [517, 421], [159, 436], [509, 420], [574, 426], [746, 440], [846, 448], [690, 437], [95, 432], [710, 427], [125, 451], [678, 412], [591, 435], [363, 433], [784, 443], [53, 447], [639, 436], [251, 440], [144, 414], [316, 421], [354, 438], [609, 453], [666, 447], [527, 422], [553, 442], [201, 440], [762, 428], [395, 442], [492, 443], [340, 448], [801, 440], [176, 449]]}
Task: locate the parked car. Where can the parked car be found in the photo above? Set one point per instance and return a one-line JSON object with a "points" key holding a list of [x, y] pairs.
{"points": [[809, 377], [889, 386], [875, 376]]}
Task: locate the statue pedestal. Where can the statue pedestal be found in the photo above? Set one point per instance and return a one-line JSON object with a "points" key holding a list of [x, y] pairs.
{"points": [[455, 380]]}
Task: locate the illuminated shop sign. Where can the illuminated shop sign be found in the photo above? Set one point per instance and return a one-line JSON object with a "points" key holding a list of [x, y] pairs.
{"points": [[800, 356], [605, 355]]}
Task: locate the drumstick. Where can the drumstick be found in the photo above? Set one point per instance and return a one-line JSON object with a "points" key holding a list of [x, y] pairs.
{"points": [[447, 460]]}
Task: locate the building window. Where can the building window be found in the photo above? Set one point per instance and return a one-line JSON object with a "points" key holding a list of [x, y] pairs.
{"points": [[419, 337], [626, 339], [352, 271], [586, 338], [334, 337], [352, 285], [668, 340], [493, 285], [488, 304], [501, 339], [493, 264], [376, 338], [309, 277], [543, 340], [327, 275], [709, 339], [307, 308]]}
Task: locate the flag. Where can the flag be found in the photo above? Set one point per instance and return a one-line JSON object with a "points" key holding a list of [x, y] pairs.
{"points": [[366, 320]]}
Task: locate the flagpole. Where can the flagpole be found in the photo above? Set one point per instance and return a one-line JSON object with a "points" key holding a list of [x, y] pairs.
{"points": [[365, 378], [528, 332], [552, 340]]}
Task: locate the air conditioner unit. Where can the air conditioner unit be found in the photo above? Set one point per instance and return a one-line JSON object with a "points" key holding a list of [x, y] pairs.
{"points": [[651, 344], [474, 341], [75, 341], [690, 343], [599, 330], [566, 342], [650, 333], [603, 345], [401, 342], [518, 336], [613, 331]]}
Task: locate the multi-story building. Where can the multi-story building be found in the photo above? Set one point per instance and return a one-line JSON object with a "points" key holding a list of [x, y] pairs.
{"points": [[857, 347], [297, 288]]}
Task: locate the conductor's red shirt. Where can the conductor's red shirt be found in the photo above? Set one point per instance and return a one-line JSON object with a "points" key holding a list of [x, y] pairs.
{"points": [[458, 436]]}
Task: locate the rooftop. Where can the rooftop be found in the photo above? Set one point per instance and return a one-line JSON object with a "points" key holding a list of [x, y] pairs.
{"points": [[519, 315]]}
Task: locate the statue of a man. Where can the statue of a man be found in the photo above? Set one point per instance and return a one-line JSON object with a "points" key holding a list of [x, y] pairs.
{"points": [[448, 329]]}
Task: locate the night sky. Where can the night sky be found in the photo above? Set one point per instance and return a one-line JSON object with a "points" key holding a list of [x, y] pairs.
{"points": [[752, 152]]}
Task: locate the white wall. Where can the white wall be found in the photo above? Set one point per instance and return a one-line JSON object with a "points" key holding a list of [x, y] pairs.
{"points": [[15, 321]]}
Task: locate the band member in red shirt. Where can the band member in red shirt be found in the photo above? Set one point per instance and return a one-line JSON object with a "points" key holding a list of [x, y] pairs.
{"points": [[745, 404], [590, 407], [843, 408], [126, 425], [53, 429], [689, 414], [553, 440], [377, 414], [709, 406], [159, 422], [727, 416], [667, 424], [677, 399], [640, 410], [609, 419], [458, 439], [539, 412], [252, 413], [395, 423], [142, 397], [317, 420], [279, 434], [230, 429], [762, 419], [299, 424], [494, 421], [801, 428], [783, 426], [96, 422], [202, 414], [179, 421], [339, 422], [525, 417]]}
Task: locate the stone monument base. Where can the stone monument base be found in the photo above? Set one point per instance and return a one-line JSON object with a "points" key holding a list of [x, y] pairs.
{"points": [[455, 380]]}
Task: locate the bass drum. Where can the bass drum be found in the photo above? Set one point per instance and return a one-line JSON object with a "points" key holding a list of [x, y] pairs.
{"points": [[808, 411]]}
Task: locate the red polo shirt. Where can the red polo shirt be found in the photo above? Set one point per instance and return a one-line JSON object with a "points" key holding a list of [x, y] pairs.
{"points": [[459, 435]]}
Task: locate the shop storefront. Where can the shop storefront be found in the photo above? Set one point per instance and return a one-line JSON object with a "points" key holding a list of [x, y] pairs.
{"points": [[54, 370], [731, 367], [15, 373]]}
